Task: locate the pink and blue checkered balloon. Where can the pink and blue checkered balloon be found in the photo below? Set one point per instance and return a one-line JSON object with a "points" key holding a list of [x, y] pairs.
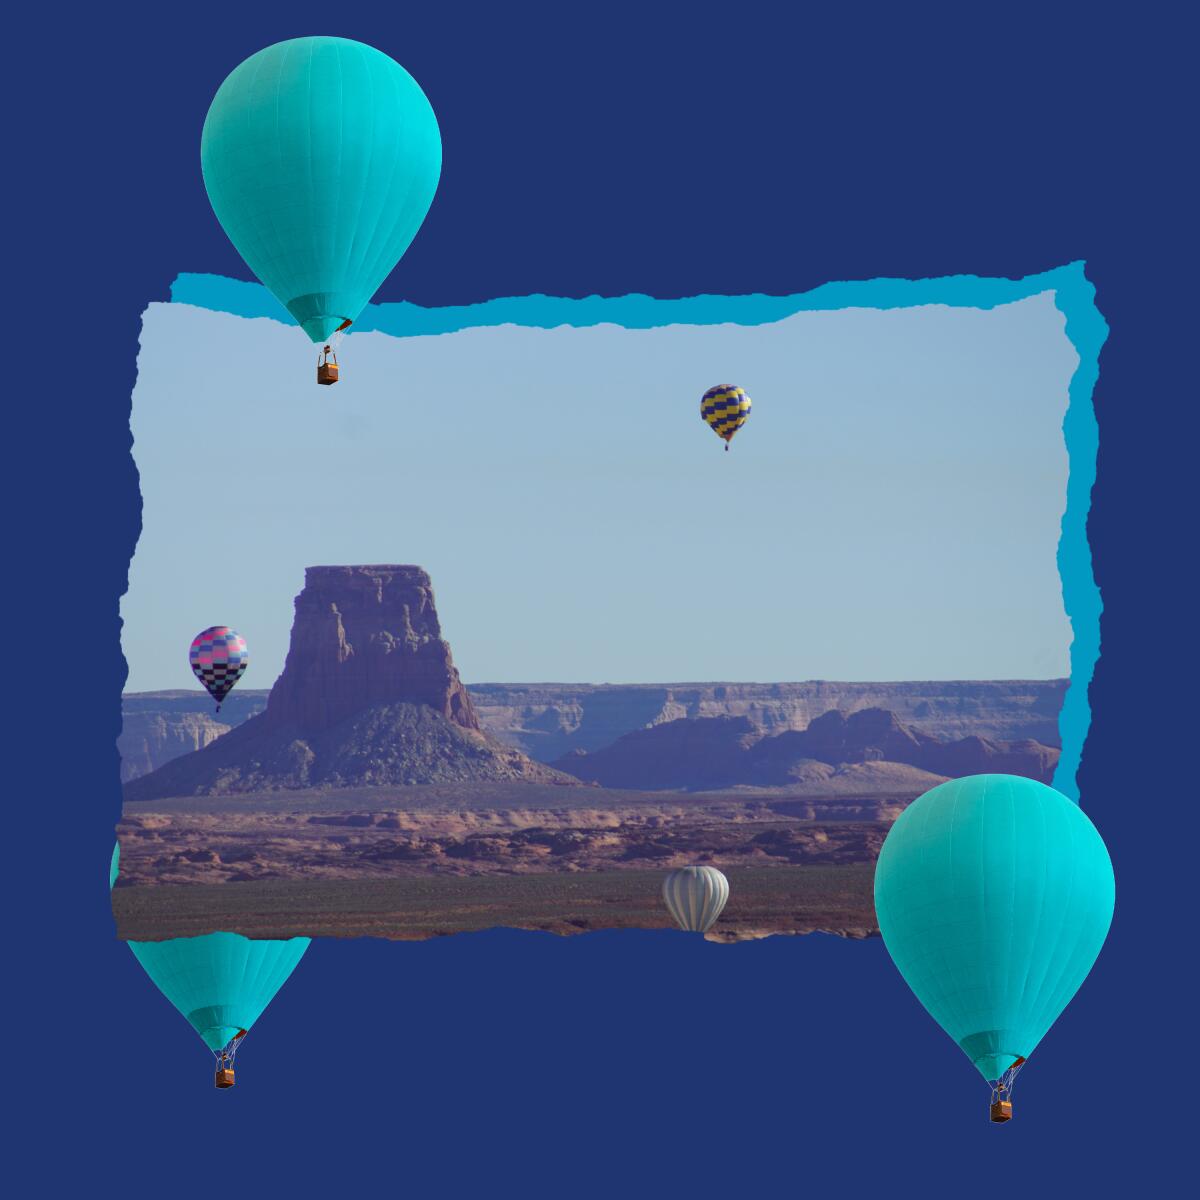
{"points": [[218, 657]]}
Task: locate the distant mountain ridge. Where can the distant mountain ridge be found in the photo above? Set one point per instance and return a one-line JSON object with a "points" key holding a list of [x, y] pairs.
{"points": [[709, 753], [546, 721]]}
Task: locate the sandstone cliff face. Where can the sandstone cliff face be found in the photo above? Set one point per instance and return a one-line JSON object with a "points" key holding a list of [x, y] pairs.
{"points": [[150, 739], [362, 636], [159, 726], [369, 696], [872, 744], [550, 720]]}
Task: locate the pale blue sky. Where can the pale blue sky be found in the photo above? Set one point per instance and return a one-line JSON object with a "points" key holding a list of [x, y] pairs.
{"points": [[890, 511]]}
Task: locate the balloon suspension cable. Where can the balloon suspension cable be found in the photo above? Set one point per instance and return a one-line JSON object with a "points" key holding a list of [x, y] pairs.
{"points": [[228, 1052], [1002, 1088], [335, 339]]}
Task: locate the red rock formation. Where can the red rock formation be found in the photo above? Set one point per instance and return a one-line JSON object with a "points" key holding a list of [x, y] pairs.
{"points": [[362, 636], [369, 696], [869, 735]]}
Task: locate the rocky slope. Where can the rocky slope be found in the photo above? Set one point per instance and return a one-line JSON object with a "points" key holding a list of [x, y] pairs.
{"points": [[719, 752], [386, 744], [369, 695]]}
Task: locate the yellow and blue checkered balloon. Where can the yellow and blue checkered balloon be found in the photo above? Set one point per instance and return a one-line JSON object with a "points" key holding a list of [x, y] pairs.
{"points": [[725, 408]]}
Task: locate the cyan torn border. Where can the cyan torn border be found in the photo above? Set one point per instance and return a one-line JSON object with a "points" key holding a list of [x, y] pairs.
{"points": [[1074, 296]]}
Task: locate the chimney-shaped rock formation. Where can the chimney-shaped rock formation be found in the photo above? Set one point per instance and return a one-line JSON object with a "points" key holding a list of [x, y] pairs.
{"points": [[369, 697], [362, 636]]}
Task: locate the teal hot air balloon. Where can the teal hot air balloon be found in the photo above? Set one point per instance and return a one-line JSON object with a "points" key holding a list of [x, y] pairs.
{"points": [[994, 895], [321, 157], [220, 982]]}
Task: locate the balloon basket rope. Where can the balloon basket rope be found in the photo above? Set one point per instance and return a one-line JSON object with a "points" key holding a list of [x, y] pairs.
{"points": [[1001, 1109], [225, 1057]]}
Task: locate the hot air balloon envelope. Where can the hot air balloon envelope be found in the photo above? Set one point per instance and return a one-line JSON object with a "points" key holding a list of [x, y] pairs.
{"points": [[218, 658], [321, 157], [725, 409], [994, 895], [220, 982], [695, 897]]}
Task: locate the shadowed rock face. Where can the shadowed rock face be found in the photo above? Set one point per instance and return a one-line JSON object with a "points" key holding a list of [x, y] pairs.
{"points": [[705, 753], [364, 636]]}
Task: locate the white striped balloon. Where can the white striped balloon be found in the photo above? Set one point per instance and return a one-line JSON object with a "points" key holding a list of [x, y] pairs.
{"points": [[695, 897]]}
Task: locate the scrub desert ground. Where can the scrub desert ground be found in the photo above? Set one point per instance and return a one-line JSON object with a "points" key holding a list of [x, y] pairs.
{"points": [[766, 900]]}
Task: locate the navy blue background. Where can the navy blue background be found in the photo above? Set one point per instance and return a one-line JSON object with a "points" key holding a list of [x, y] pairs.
{"points": [[599, 151]]}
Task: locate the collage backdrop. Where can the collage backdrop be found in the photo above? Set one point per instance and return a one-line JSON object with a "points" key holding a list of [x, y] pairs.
{"points": [[594, 153]]}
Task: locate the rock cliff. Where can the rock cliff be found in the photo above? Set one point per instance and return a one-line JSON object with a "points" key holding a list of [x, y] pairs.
{"points": [[364, 636], [159, 726]]}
